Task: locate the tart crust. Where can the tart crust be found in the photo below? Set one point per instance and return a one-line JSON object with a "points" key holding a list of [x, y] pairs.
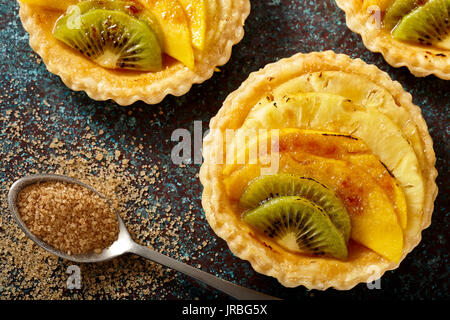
{"points": [[225, 28], [420, 60], [291, 270]]}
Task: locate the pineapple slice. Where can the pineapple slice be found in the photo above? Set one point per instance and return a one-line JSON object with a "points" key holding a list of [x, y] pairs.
{"points": [[196, 13], [61, 5], [335, 113], [401, 206], [361, 91], [174, 25]]}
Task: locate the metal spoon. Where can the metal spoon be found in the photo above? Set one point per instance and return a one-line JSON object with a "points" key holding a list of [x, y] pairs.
{"points": [[124, 244]]}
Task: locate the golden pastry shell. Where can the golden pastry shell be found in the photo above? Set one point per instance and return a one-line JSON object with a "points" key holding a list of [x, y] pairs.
{"points": [[421, 61], [225, 29], [293, 270]]}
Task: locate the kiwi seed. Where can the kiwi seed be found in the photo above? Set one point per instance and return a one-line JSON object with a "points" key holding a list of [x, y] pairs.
{"points": [[427, 25], [112, 39], [397, 11], [298, 225], [267, 187]]}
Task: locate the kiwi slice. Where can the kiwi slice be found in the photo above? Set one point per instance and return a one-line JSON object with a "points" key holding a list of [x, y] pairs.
{"points": [[269, 186], [397, 11], [130, 7], [427, 25], [112, 39], [298, 225]]}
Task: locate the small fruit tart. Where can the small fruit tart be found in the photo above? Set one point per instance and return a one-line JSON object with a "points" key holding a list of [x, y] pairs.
{"points": [[411, 33], [129, 50], [319, 170]]}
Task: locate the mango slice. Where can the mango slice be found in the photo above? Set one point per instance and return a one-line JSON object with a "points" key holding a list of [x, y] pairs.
{"points": [[174, 25], [386, 181], [196, 12]]}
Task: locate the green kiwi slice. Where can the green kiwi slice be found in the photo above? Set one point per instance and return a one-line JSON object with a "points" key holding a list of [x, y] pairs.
{"points": [[131, 7], [270, 186], [298, 225], [112, 39], [397, 11], [427, 25]]}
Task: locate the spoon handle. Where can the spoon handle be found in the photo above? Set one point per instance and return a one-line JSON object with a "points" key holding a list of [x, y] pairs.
{"points": [[238, 292]]}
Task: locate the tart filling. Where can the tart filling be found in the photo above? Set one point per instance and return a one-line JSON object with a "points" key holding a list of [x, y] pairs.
{"points": [[131, 34], [421, 22], [353, 184], [129, 50], [411, 33]]}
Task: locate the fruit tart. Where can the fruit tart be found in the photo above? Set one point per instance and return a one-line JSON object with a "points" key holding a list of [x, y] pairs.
{"points": [[319, 170], [411, 33], [129, 50]]}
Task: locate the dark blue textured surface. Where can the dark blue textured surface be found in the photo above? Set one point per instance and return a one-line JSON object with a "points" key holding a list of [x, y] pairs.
{"points": [[275, 29]]}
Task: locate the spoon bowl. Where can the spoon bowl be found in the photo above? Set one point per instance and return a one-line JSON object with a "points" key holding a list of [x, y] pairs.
{"points": [[120, 246], [123, 244]]}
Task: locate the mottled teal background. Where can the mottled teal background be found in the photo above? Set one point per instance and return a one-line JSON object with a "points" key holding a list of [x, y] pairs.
{"points": [[274, 30]]}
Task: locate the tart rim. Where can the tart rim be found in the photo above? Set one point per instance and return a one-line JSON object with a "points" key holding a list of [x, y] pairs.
{"points": [[234, 112], [177, 83], [396, 53]]}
